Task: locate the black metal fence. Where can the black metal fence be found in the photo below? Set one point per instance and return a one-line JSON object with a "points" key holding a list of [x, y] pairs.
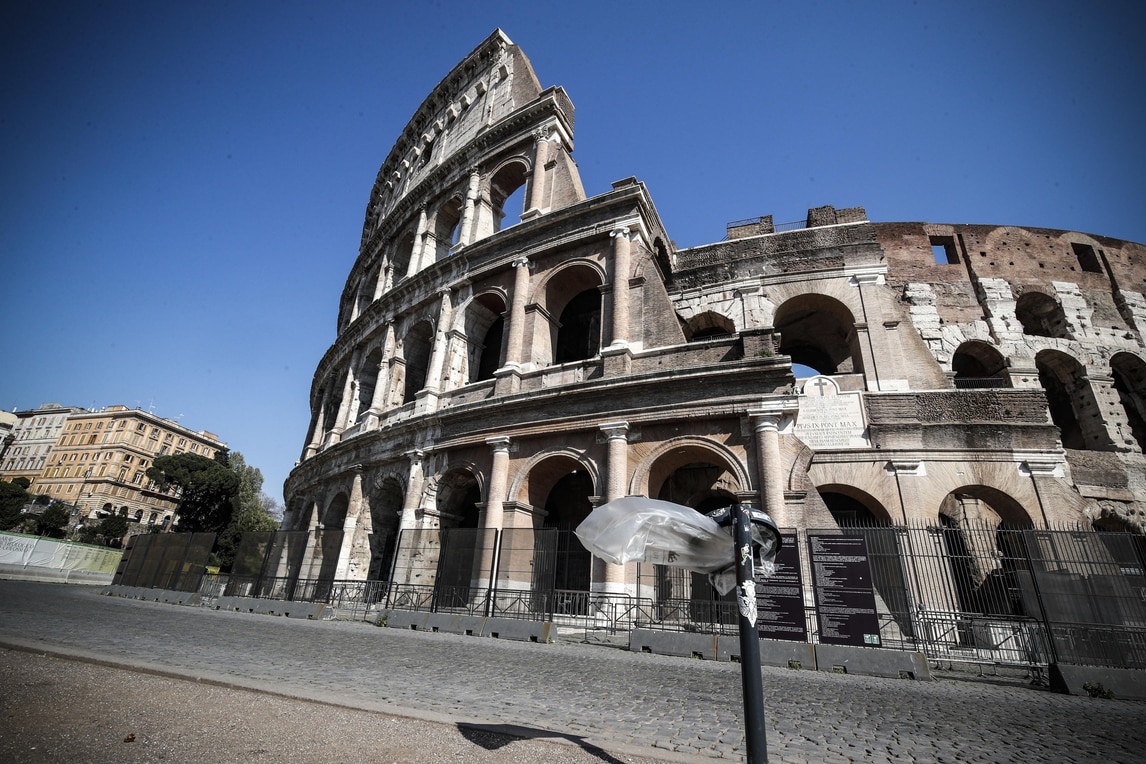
{"points": [[967, 593], [172, 561]]}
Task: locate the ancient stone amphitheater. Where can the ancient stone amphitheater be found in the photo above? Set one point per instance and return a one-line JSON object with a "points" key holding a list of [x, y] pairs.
{"points": [[512, 352]]}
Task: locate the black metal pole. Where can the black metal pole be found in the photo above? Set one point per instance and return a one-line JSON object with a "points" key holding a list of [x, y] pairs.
{"points": [[751, 681]]}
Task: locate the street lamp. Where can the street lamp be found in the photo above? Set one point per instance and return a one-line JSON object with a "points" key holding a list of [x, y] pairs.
{"points": [[637, 529]]}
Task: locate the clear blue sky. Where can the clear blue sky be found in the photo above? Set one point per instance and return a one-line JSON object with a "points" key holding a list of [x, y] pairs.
{"points": [[183, 184]]}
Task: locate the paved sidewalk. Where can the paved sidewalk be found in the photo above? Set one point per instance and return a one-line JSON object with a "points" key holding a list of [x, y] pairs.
{"points": [[658, 706]]}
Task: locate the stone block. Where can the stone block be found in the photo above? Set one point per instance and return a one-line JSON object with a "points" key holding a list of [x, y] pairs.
{"points": [[678, 643], [523, 631], [1124, 684], [872, 661]]}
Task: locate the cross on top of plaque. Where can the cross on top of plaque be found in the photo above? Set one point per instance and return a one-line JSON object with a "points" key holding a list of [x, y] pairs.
{"points": [[821, 386]]}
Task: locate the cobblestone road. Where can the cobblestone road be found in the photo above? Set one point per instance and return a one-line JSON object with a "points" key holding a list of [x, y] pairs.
{"points": [[611, 698]]}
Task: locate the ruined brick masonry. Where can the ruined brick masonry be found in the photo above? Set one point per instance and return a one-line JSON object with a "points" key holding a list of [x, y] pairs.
{"points": [[501, 371]]}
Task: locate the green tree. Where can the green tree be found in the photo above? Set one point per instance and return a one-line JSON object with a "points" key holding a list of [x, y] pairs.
{"points": [[252, 511], [113, 528], [208, 488], [53, 520], [12, 500]]}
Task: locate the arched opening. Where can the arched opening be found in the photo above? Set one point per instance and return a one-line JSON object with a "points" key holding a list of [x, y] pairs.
{"points": [[334, 401], [977, 365], [695, 477], [403, 252], [708, 325], [485, 329], [983, 535], [1071, 400], [662, 259], [1041, 316], [1129, 372], [446, 227], [562, 565], [368, 381], [366, 291], [385, 514], [416, 348], [328, 545], [579, 328], [507, 195], [819, 332], [458, 496]]}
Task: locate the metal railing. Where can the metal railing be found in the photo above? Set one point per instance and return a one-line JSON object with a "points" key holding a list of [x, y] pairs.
{"points": [[974, 593]]}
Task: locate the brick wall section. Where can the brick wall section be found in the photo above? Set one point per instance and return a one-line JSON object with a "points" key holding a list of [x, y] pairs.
{"points": [[948, 406], [1029, 259], [789, 251]]}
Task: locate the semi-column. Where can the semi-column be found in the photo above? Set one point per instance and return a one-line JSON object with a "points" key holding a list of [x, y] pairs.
{"points": [[493, 518], [537, 184], [380, 401], [615, 488], [319, 426], [438, 352], [517, 312], [419, 242], [770, 468], [404, 553], [354, 553], [466, 233], [622, 244], [344, 405]]}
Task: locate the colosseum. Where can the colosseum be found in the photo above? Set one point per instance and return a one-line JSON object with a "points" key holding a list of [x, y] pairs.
{"points": [[512, 352]]}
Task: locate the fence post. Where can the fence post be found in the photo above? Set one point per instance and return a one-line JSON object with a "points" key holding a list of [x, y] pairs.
{"points": [[1026, 537]]}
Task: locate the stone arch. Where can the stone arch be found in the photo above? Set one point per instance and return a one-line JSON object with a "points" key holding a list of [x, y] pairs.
{"points": [[368, 373], [571, 298], [979, 364], [562, 491], [334, 400], [369, 287], [483, 326], [507, 182], [1041, 316], [447, 226], [334, 516], [402, 255], [1073, 406], [701, 474], [415, 350], [707, 325], [528, 484], [982, 532], [853, 507], [652, 471], [1129, 373], [386, 502], [818, 331], [457, 494]]}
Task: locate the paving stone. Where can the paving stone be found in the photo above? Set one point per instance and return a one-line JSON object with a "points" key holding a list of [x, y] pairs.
{"points": [[605, 695]]}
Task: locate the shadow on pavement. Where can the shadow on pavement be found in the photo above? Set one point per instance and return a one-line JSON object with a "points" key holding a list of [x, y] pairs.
{"points": [[494, 736]]}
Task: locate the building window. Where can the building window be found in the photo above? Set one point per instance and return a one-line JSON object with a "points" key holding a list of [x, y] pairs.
{"points": [[943, 250], [1087, 259]]}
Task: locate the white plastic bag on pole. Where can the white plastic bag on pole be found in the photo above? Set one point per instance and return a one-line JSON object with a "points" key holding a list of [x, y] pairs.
{"points": [[636, 529]]}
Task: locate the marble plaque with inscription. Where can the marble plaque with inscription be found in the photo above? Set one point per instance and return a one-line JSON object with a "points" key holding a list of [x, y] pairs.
{"points": [[829, 418]]}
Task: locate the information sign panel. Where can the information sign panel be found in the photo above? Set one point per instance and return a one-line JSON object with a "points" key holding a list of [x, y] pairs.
{"points": [[780, 597], [841, 580]]}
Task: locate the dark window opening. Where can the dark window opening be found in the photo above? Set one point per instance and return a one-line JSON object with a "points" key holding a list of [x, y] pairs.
{"points": [[579, 332], [1087, 259], [490, 358], [943, 250]]}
